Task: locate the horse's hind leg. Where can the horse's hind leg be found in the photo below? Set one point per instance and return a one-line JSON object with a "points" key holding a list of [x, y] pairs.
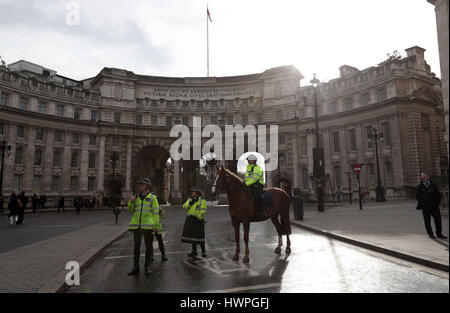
{"points": [[246, 233], [288, 245], [280, 238]]}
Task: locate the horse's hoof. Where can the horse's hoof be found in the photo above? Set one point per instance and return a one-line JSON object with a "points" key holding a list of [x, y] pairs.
{"points": [[278, 250], [246, 260], [288, 250], [235, 258]]}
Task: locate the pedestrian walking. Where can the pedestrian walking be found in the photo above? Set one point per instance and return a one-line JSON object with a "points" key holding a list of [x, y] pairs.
{"points": [[34, 203], [61, 204], [429, 199], [77, 201], [13, 206], [363, 194], [145, 209], [194, 225], [24, 200]]}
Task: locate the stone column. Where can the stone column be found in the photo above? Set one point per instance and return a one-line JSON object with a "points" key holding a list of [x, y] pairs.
{"points": [[66, 162], [8, 174], [101, 165], [176, 194], [84, 163], [48, 162], [28, 158], [296, 182], [128, 168]]}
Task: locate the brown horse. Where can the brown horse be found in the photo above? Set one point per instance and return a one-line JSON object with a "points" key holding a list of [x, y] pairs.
{"points": [[242, 209]]}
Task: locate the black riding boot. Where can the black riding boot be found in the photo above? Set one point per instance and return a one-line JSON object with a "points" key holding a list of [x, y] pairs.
{"points": [[161, 247], [202, 245], [194, 250], [136, 254], [148, 237]]}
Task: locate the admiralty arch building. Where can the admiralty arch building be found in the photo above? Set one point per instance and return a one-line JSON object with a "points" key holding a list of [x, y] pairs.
{"points": [[99, 136]]}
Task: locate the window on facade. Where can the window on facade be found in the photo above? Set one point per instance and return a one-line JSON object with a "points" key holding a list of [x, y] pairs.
{"points": [[42, 107], [186, 120], [337, 176], [92, 140], [244, 119], [230, 120], [20, 131], [18, 157], [348, 104], [333, 108], [56, 183], [77, 114], [60, 110], [139, 120], [386, 134], [154, 120], [425, 121], [371, 173], [168, 121], [352, 139], [282, 140], [279, 115], [389, 174], [115, 141], [336, 148], [305, 178], [381, 94], [73, 183], [94, 116], [4, 99], [23, 103], [57, 158], [304, 145], [320, 140], [38, 157], [116, 117], [369, 138], [92, 159], [17, 183], [74, 159], [37, 183], [39, 134], [91, 183], [365, 99], [58, 136], [214, 120], [75, 138]]}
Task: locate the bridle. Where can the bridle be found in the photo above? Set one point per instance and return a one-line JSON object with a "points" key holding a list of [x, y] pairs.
{"points": [[225, 188]]}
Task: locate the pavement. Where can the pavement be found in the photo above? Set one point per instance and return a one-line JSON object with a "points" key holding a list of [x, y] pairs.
{"points": [[393, 227], [46, 242], [317, 264]]}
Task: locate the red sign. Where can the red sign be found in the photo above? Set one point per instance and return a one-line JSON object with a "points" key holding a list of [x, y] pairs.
{"points": [[357, 168]]}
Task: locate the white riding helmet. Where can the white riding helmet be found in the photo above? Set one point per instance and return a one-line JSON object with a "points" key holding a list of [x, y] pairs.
{"points": [[251, 157]]}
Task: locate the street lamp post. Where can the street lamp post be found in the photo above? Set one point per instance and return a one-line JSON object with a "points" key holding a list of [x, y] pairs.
{"points": [[379, 189], [318, 155]]}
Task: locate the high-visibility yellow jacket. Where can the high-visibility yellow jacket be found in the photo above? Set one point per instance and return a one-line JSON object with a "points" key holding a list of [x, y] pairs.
{"points": [[254, 174], [146, 213], [197, 209], [162, 214]]}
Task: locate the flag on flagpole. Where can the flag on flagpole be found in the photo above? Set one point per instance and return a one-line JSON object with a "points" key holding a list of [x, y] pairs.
{"points": [[209, 15]]}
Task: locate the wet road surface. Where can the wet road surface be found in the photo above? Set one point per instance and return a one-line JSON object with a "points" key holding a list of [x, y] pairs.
{"points": [[316, 264]]}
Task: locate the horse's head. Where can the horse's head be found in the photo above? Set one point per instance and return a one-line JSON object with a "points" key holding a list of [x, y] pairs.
{"points": [[221, 180]]}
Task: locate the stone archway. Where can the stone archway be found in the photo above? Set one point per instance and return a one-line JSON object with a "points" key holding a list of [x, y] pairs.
{"points": [[151, 162]]}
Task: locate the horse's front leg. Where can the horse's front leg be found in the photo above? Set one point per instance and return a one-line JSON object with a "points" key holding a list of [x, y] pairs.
{"points": [[236, 226], [246, 233]]}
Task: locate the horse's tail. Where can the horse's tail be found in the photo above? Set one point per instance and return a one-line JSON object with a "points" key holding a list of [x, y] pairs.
{"points": [[285, 220]]}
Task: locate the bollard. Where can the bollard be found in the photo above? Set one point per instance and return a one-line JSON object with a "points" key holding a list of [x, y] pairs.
{"points": [[298, 207]]}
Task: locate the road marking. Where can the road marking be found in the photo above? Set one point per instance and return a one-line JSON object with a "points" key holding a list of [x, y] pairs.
{"points": [[187, 251], [244, 288]]}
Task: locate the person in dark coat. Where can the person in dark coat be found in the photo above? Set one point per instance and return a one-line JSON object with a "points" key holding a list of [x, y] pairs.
{"points": [[13, 207], [34, 203], [2, 201], [429, 199], [24, 199], [61, 204], [77, 201], [42, 201]]}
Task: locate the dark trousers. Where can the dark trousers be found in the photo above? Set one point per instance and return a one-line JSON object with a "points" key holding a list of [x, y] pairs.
{"points": [[194, 247], [21, 215], [148, 238], [436, 214], [160, 243]]}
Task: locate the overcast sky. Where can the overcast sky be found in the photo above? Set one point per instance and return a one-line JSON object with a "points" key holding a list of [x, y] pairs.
{"points": [[168, 37]]}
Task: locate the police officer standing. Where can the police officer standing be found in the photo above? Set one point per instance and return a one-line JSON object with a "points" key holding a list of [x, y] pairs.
{"points": [[254, 179], [194, 226], [145, 220]]}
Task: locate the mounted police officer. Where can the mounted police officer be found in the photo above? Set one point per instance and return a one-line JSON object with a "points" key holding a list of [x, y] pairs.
{"points": [[144, 222], [254, 179], [194, 226]]}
